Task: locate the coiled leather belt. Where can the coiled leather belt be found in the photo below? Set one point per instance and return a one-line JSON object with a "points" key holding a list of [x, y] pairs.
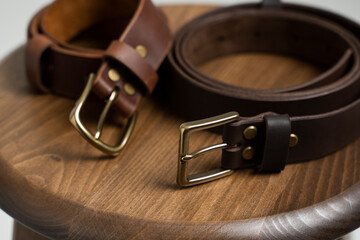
{"points": [[66, 43], [267, 129]]}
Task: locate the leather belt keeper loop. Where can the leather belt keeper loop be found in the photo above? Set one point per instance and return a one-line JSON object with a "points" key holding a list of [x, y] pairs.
{"points": [[126, 55], [276, 147]]}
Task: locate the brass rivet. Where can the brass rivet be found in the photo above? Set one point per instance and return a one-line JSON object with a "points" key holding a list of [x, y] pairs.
{"points": [[141, 50], [248, 153], [129, 89], [114, 75], [250, 132], [293, 140]]}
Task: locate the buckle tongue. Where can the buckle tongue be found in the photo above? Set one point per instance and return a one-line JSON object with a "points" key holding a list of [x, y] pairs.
{"points": [[185, 180], [94, 139]]}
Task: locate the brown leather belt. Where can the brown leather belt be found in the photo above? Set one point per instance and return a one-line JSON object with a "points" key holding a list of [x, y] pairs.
{"points": [[70, 39], [276, 127]]}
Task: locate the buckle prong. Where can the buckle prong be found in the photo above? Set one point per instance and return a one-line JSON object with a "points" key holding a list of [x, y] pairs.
{"points": [[94, 139], [104, 113], [198, 152], [185, 180]]}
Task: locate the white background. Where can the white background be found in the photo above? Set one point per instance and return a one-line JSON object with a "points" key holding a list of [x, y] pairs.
{"points": [[15, 15]]}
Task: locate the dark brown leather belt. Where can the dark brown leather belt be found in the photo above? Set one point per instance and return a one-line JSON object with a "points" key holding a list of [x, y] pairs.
{"points": [[276, 127], [70, 39]]}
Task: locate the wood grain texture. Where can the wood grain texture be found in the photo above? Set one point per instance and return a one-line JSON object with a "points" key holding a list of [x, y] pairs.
{"points": [[54, 182]]}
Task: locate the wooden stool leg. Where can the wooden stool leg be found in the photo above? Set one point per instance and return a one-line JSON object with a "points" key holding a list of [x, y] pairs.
{"points": [[21, 232]]}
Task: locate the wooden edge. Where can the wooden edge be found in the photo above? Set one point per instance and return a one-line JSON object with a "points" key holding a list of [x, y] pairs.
{"points": [[57, 218], [21, 232]]}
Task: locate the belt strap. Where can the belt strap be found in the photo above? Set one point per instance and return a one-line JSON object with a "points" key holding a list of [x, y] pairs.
{"points": [[323, 113], [122, 41]]}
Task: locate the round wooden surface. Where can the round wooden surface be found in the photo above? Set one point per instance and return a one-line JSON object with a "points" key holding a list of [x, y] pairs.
{"points": [[54, 182]]}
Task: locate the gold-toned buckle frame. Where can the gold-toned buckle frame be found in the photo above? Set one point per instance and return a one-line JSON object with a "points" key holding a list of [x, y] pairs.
{"points": [[185, 180], [94, 139]]}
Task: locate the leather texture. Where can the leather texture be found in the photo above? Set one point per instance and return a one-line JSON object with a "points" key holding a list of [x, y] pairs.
{"points": [[70, 39], [324, 112], [277, 141]]}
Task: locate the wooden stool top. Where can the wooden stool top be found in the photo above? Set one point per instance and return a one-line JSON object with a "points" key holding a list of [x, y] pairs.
{"points": [[54, 182]]}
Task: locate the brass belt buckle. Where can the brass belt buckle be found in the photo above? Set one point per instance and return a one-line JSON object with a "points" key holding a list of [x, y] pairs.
{"points": [[94, 139], [185, 180]]}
